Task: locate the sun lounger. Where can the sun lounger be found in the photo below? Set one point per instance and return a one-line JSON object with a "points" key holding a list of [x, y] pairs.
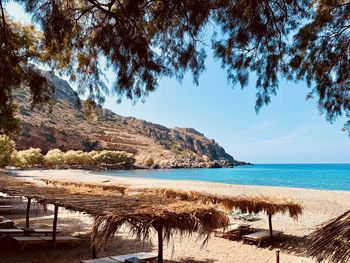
{"points": [[243, 216], [11, 231], [6, 223], [45, 231], [24, 241], [5, 206], [40, 231], [62, 239], [141, 256], [232, 231], [135, 260], [260, 236], [99, 260]]}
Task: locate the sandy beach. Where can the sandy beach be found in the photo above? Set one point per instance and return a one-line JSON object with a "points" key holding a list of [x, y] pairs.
{"points": [[319, 207]]}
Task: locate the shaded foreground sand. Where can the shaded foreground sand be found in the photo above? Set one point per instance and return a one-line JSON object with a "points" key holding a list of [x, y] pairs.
{"points": [[320, 206]]}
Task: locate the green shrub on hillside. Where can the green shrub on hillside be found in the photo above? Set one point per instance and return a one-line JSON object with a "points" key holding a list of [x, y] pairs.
{"points": [[54, 157], [7, 147], [31, 157], [111, 157], [77, 157], [16, 160]]}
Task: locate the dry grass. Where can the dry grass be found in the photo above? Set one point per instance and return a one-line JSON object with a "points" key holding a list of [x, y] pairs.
{"points": [[332, 242]]}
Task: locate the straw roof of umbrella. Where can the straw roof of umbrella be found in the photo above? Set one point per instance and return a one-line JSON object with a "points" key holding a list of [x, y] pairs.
{"points": [[332, 241], [253, 204], [111, 209]]}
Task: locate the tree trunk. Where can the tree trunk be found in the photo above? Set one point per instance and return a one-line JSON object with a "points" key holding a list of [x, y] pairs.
{"points": [[27, 213], [54, 227], [270, 226]]}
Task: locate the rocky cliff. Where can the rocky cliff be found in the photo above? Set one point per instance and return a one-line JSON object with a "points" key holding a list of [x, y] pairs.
{"points": [[65, 126]]}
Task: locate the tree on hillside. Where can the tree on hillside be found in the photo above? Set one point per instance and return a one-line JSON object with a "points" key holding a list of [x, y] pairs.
{"points": [[145, 40]]}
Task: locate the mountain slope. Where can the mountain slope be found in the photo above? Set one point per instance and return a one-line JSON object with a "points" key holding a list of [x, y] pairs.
{"points": [[65, 126]]}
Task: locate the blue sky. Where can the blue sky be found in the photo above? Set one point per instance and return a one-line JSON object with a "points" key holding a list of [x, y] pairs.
{"points": [[288, 130]]}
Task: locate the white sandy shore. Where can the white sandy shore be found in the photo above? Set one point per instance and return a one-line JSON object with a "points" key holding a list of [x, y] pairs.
{"points": [[319, 207]]}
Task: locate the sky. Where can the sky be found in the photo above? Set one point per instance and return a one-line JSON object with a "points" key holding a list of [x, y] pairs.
{"points": [[288, 130]]}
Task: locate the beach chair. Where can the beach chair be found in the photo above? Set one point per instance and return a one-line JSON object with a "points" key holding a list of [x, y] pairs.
{"points": [[99, 260], [141, 256], [244, 216], [11, 231], [5, 209], [260, 236], [135, 260], [5, 223], [24, 241], [28, 240], [62, 239], [233, 231], [39, 231]]}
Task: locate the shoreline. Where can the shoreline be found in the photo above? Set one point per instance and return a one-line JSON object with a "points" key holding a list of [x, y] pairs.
{"points": [[96, 173], [35, 171]]}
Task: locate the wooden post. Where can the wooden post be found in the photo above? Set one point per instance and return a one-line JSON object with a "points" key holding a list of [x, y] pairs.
{"points": [[277, 256], [160, 243], [27, 212], [54, 227], [270, 226], [93, 250]]}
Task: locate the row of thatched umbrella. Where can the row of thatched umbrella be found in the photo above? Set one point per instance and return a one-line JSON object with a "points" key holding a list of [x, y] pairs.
{"points": [[167, 211]]}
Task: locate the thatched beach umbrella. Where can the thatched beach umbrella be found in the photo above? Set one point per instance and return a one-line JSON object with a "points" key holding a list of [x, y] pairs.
{"points": [[173, 217], [269, 205], [331, 243], [112, 208]]}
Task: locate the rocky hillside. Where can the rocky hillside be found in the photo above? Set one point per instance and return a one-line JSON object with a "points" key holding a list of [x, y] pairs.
{"points": [[66, 127]]}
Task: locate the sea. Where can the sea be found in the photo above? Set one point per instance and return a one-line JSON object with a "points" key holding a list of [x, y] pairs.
{"points": [[310, 176]]}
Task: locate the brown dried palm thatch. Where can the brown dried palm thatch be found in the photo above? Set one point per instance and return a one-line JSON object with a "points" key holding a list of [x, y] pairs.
{"points": [[332, 241], [111, 188], [141, 211], [267, 204]]}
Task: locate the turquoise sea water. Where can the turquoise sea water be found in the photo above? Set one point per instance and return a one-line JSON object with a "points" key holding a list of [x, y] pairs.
{"points": [[314, 176]]}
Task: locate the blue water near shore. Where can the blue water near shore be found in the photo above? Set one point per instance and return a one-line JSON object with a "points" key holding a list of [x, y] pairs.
{"points": [[313, 176]]}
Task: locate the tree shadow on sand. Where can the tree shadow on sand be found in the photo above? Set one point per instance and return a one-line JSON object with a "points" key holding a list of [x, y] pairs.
{"points": [[191, 260], [291, 244]]}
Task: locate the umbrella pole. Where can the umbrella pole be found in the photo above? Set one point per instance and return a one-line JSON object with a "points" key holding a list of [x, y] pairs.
{"points": [[94, 253], [270, 225], [54, 227], [160, 244], [27, 212]]}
